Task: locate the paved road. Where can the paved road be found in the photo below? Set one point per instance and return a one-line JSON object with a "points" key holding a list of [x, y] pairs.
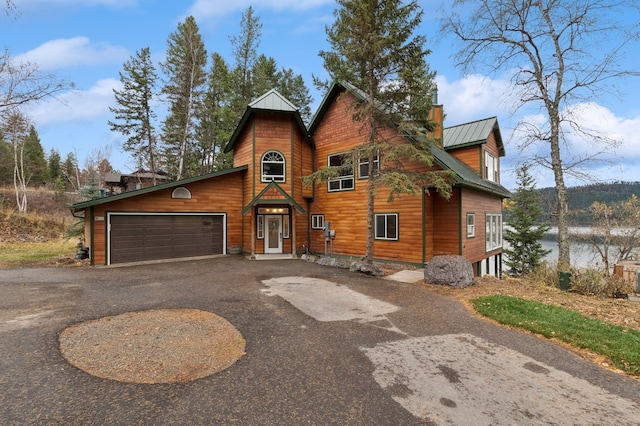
{"points": [[324, 346]]}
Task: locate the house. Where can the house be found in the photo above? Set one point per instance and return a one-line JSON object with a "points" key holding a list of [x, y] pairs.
{"points": [[117, 183], [261, 207]]}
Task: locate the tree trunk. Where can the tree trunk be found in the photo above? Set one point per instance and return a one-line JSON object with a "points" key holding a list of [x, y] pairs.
{"points": [[564, 256]]}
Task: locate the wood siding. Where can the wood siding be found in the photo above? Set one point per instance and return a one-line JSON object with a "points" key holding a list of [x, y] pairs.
{"points": [[347, 210], [217, 195], [480, 204]]}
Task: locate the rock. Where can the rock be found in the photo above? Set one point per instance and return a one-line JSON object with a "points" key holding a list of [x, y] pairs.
{"points": [[367, 269], [326, 261], [449, 270]]}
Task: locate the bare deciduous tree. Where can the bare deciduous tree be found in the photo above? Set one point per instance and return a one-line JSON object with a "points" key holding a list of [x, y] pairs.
{"points": [[558, 52], [15, 126], [24, 83]]}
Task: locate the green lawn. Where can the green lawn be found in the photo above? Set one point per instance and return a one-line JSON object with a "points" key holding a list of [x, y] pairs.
{"points": [[621, 345], [14, 255]]}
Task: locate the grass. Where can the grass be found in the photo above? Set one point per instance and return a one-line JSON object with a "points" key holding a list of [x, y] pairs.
{"points": [[14, 255], [621, 345]]}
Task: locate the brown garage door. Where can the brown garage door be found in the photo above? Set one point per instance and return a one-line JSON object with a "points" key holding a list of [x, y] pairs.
{"points": [[136, 238]]}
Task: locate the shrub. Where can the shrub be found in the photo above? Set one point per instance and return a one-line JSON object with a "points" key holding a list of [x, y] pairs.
{"points": [[593, 282]]}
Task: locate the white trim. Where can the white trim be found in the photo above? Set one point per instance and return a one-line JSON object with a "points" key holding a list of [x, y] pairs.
{"points": [[110, 214], [277, 249]]}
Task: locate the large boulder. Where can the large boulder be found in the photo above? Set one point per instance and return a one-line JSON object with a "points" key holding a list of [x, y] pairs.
{"points": [[449, 270]]}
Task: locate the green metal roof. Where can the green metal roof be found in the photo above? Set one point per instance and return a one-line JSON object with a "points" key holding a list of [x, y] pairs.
{"points": [[465, 175], [272, 101], [85, 204], [476, 132]]}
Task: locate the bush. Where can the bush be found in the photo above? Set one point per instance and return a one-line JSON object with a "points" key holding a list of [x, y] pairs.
{"points": [[544, 275], [593, 282], [590, 282]]}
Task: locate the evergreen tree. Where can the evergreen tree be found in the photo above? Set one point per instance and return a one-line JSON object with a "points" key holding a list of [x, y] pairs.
{"points": [[71, 172], [245, 52], [292, 87], [54, 162], [6, 162], [216, 119], [524, 252], [134, 116], [374, 48], [184, 67], [34, 160]]}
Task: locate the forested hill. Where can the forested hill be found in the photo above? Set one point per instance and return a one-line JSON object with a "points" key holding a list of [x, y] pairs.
{"points": [[581, 198]]}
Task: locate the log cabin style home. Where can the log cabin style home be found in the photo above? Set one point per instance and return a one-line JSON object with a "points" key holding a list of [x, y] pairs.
{"points": [[260, 207]]}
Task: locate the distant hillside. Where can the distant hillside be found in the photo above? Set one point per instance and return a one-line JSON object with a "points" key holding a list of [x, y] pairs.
{"points": [[581, 198]]}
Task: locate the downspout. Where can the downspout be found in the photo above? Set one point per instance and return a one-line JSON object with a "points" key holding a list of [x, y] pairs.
{"points": [[460, 221]]}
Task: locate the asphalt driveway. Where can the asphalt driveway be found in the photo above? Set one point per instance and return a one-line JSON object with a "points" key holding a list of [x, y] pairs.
{"points": [[362, 351]]}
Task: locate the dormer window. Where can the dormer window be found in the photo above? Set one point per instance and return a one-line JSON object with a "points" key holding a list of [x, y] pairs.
{"points": [[272, 167], [490, 167]]}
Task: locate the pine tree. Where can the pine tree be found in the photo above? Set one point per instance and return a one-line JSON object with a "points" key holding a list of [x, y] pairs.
{"points": [[184, 67], [134, 115], [216, 119], [245, 52], [524, 252], [375, 49], [54, 163], [34, 161]]}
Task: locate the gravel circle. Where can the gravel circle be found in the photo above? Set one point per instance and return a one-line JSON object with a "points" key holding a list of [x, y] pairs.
{"points": [[155, 346]]}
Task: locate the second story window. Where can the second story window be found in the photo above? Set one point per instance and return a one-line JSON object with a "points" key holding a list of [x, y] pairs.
{"points": [[344, 164], [363, 165], [490, 167], [273, 167]]}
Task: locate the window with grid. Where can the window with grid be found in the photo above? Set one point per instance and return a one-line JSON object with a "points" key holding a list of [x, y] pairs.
{"points": [[344, 164], [273, 167], [493, 231], [317, 221]]}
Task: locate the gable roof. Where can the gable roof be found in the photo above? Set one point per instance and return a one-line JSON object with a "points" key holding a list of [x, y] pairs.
{"points": [[282, 197], [465, 175], [328, 99], [85, 204], [272, 101], [478, 131], [473, 133]]}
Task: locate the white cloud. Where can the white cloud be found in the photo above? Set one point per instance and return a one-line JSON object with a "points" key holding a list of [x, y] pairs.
{"points": [[475, 97], [472, 98], [203, 9], [63, 53], [77, 106]]}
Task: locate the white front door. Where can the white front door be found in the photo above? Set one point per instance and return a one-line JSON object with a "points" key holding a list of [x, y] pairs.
{"points": [[273, 234]]}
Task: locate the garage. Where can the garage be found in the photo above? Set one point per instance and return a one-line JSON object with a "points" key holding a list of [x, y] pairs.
{"points": [[142, 237]]}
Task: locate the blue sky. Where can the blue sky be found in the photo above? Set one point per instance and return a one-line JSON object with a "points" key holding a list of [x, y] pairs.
{"points": [[87, 42]]}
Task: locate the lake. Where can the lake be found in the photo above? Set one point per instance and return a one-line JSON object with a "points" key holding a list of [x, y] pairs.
{"points": [[582, 255]]}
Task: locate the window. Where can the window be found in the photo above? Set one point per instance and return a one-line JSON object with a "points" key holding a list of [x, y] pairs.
{"points": [[317, 221], [285, 227], [471, 225], [493, 232], [490, 167], [182, 193], [386, 225], [344, 164], [260, 227], [272, 165], [363, 165]]}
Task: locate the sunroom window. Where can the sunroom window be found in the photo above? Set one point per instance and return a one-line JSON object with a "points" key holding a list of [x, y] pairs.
{"points": [[273, 167]]}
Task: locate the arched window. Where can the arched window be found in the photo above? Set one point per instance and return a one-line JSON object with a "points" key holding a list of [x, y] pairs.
{"points": [[272, 167], [181, 192]]}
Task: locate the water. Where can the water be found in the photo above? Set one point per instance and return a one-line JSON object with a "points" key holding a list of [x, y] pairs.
{"points": [[582, 255]]}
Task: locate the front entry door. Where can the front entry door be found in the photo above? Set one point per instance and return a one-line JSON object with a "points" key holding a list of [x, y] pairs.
{"points": [[273, 234]]}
